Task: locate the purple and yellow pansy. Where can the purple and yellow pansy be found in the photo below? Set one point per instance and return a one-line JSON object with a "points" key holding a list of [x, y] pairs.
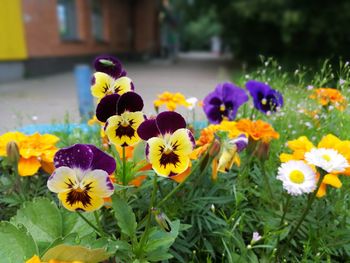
{"points": [[109, 78], [123, 115], [169, 143], [81, 178]]}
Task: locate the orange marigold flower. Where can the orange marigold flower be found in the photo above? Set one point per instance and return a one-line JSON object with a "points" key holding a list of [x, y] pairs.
{"points": [[171, 100], [257, 130], [35, 151], [329, 96]]}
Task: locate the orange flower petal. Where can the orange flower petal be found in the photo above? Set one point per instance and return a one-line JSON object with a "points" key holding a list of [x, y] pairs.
{"points": [[28, 167]]}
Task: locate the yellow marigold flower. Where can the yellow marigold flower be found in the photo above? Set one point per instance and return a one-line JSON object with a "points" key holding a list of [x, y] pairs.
{"points": [[35, 151], [171, 100], [257, 130], [329, 96]]}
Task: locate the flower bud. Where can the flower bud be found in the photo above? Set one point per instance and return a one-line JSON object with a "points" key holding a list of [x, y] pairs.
{"points": [[162, 220], [215, 148], [12, 152]]}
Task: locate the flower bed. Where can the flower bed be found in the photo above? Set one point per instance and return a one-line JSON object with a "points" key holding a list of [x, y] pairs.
{"points": [[265, 179]]}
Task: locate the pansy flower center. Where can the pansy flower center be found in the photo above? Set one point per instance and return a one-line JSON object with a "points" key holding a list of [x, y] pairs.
{"points": [[264, 101], [168, 156], [222, 108], [297, 177]]}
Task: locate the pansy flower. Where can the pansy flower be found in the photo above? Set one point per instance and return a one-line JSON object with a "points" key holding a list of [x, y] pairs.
{"points": [[123, 116], [81, 178], [169, 143], [109, 77], [264, 97], [224, 102]]}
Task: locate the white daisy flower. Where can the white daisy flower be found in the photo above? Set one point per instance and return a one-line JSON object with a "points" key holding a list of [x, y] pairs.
{"points": [[297, 177], [327, 159]]}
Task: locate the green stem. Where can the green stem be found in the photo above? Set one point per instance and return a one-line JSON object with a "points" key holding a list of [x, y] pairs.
{"points": [[151, 205], [311, 199], [89, 223], [99, 225], [267, 181], [285, 209], [180, 185], [124, 166]]}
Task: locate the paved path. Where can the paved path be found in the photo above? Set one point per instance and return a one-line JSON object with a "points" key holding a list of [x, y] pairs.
{"points": [[50, 99]]}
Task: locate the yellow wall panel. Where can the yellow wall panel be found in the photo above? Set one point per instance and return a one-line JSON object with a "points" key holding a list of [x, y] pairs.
{"points": [[12, 40]]}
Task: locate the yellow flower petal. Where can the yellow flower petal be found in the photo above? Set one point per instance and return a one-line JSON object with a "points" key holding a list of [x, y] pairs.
{"points": [[124, 135], [94, 203], [122, 85], [60, 180], [103, 85], [27, 167], [333, 180], [34, 259], [329, 141]]}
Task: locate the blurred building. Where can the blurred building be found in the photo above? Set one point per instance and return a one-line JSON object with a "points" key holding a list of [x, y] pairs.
{"points": [[46, 36]]}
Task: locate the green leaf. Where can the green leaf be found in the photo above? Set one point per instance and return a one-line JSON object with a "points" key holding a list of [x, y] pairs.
{"points": [[160, 241], [78, 253], [124, 215], [72, 223], [16, 244], [43, 220]]}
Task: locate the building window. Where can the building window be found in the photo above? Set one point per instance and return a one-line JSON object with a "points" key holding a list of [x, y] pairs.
{"points": [[97, 20], [67, 19]]}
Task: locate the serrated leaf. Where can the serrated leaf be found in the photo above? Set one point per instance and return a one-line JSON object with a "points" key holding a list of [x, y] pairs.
{"points": [[16, 244], [78, 253], [124, 215], [42, 219]]}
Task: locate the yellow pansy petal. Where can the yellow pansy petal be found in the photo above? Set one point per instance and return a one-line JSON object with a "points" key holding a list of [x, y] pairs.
{"points": [[124, 135], [165, 164], [102, 85], [98, 183], [226, 160], [61, 180], [29, 166], [333, 180], [74, 201], [182, 140], [122, 85]]}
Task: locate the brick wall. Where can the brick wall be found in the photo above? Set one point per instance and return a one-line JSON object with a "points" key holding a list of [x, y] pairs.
{"points": [[130, 26]]}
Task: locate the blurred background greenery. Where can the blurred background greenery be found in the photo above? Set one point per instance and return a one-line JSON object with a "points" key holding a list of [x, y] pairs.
{"points": [[295, 30]]}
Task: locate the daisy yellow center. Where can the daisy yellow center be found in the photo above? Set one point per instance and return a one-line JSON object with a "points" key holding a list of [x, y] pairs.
{"points": [[222, 108], [263, 101], [326, 157], [296, 177]]}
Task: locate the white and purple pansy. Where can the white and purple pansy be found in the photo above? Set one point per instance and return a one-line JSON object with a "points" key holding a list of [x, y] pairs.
{"points": [[81, 178], [169, 143], [123, 115], [109, 77]]}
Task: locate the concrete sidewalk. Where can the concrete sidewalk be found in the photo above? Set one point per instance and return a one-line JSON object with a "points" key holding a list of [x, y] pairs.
{"points": [[50, 99]]}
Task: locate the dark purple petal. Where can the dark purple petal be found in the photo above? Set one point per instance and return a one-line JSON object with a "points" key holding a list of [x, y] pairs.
{"points": [[109, 65], [123, 73], [264, 97], [224, 101], [193, 141], [214, 114], [101, 160], [147, 151], [132, 86], [75, 156], [169, 122], [109, 183], [130, 101], [148, 129], [107, 107]]}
